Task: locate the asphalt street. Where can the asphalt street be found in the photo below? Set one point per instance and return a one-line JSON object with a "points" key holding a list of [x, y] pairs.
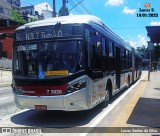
{"points": [[137, 106]]}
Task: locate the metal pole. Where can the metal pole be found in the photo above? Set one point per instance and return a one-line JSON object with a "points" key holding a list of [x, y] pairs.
{"points": [[54, 8], [63, 6], [149, 66]]}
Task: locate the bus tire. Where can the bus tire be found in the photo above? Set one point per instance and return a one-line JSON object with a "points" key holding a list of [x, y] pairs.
{"points": [[129, 84], [106, 100]]}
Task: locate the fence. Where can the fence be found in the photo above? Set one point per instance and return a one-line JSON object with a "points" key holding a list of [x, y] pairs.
{"points": [[5, 63]]}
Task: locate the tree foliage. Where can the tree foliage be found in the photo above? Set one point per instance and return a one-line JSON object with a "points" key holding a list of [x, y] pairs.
{"points": [[156, 53], [141, 49], [33, 19], [66, 12], [17, 17]]}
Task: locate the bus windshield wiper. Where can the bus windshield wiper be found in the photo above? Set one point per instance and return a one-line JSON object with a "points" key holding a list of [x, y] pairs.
{"points": [[56, 28]]}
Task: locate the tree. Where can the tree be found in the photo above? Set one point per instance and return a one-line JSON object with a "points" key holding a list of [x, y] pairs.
{"points": [[17, 17], [156, 53], [141, 49], [65, 13], [33, 19]]}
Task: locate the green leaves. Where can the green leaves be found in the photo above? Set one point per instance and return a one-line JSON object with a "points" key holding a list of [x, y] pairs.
{"points": [[33, 19], [17, 17], [63, 13]]}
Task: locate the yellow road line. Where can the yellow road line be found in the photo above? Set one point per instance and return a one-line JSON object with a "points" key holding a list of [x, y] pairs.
{"points": [[121, 119]]}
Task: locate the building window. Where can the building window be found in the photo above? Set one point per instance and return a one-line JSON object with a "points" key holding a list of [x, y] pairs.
{"points": [[4, 54], [1, 10], [36, 13], [9, 1]]}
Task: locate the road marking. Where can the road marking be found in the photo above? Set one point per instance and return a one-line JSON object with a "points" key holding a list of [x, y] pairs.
{"points": [[110, 108], [11, 115], [3, 88], [122, 117], [3, 98], [127, 109], [3, 83]]}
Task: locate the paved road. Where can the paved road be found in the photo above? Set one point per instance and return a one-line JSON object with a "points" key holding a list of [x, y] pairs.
{"points": [[116, 114], [7, 104]]}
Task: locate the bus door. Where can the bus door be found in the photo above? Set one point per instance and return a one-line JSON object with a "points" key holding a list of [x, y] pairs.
{"points": [[118, 67]]}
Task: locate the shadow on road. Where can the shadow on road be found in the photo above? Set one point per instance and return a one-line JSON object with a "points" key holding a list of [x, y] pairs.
{"points": [[55, 119], [146, 113]]}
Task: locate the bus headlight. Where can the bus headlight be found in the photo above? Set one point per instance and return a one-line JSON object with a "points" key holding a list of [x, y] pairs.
{"points": [[76, 86]]}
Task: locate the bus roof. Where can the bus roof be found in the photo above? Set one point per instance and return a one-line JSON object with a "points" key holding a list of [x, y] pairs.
{"points": [[87, 19], [94, 21]]}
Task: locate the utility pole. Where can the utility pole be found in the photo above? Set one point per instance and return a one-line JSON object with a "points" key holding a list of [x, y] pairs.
{"points": [[63, 10], [54, 8], [64, 7], [150, 48]]}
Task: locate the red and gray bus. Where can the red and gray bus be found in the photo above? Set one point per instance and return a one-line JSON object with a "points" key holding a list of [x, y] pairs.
{"points": [[70, 63]]}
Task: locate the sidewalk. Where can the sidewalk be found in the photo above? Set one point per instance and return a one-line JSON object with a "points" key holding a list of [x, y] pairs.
{"points": [[5, 77], [142, 109], [147, 110]]}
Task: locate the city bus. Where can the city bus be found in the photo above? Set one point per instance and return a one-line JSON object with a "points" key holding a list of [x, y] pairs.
{"points": [[70, 63]]}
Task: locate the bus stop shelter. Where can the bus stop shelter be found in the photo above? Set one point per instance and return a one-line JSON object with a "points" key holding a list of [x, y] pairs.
{"points": [[154, 33]]}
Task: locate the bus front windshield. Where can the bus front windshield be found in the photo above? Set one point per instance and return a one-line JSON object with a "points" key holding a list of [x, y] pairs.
{"points": [[32, 59]]}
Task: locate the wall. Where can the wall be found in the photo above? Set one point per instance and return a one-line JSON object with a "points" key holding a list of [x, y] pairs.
{"points": [[5, 63], [6, 8], [7, 43], [47, 14]]}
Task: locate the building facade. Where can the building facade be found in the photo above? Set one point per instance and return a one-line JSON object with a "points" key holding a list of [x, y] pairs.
{"points": [[7, 25], [6, 7], [39, 11]]}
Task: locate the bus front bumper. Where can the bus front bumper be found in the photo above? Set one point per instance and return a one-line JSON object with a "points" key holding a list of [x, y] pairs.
{"points": [[71, 102]]}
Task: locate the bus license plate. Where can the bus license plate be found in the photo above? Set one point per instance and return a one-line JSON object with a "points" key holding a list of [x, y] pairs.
{"points": [[40, 107]]}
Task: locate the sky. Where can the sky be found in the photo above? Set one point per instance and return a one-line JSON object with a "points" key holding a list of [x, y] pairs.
{"points": [[119, 15]]}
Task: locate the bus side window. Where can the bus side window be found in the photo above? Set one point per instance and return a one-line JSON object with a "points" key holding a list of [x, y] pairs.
{"points": [[88, 54], [97, 51], [107, 47], [103, 46], [130, 60], [110, 49], [127, 60], [104, 56], [111, 57], [122, 58], [124, 61]]}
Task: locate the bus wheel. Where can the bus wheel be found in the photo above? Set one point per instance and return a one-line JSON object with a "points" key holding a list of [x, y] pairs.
{"points": [[129, 82], [106, 100]]}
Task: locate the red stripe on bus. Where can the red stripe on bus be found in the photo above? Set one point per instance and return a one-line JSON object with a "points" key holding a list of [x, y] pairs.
{"points": [[43, 90]]}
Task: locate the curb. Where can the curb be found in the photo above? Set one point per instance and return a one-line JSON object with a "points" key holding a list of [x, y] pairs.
{"points": [[5, 69]]}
